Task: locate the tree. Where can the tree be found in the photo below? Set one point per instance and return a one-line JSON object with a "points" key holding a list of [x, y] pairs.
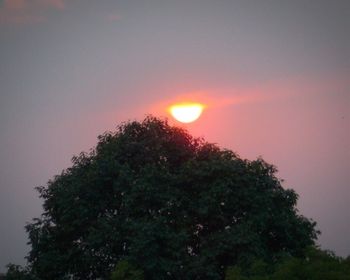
{"points": [[314, 265], [172, 205], [17, 272], [126, 271]]}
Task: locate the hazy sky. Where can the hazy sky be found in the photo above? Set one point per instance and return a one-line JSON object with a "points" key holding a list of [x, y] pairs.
{"points": [[274, 73]]}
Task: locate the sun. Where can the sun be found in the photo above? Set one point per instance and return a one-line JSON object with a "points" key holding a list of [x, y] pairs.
{"points": [[186, 112]]}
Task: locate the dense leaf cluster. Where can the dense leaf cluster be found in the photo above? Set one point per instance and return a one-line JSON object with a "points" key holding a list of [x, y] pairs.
{"points": [[174, 206], [17, 272], [315, 265]]}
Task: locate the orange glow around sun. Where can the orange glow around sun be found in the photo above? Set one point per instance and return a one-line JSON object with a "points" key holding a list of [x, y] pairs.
{"points": [[186, 112]]}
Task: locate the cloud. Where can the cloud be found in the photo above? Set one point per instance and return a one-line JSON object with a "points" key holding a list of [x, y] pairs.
{"points": [[27, 11]]}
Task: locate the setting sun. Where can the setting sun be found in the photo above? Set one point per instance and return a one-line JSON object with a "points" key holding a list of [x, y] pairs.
{"points": [[186, 112]]}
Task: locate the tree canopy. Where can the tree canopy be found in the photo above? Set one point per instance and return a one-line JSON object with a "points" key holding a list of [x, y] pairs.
{"points": [[151, 197], [315, 265]]}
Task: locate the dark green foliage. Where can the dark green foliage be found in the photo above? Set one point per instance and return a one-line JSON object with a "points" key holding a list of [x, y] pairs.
{"points": [[315, 265], [125, 271], [17, 272], [172, 205]]}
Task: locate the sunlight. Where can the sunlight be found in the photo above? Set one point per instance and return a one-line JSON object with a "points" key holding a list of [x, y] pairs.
{"points": [[186, 112]]}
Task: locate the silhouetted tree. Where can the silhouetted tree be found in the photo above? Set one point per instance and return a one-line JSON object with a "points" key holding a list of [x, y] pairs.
{"points": [[126, 271], [174, 206], [314, 265], [17, 272]]}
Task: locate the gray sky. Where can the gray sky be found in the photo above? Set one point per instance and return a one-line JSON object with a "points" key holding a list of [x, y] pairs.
{"points": [[274, 74]]}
